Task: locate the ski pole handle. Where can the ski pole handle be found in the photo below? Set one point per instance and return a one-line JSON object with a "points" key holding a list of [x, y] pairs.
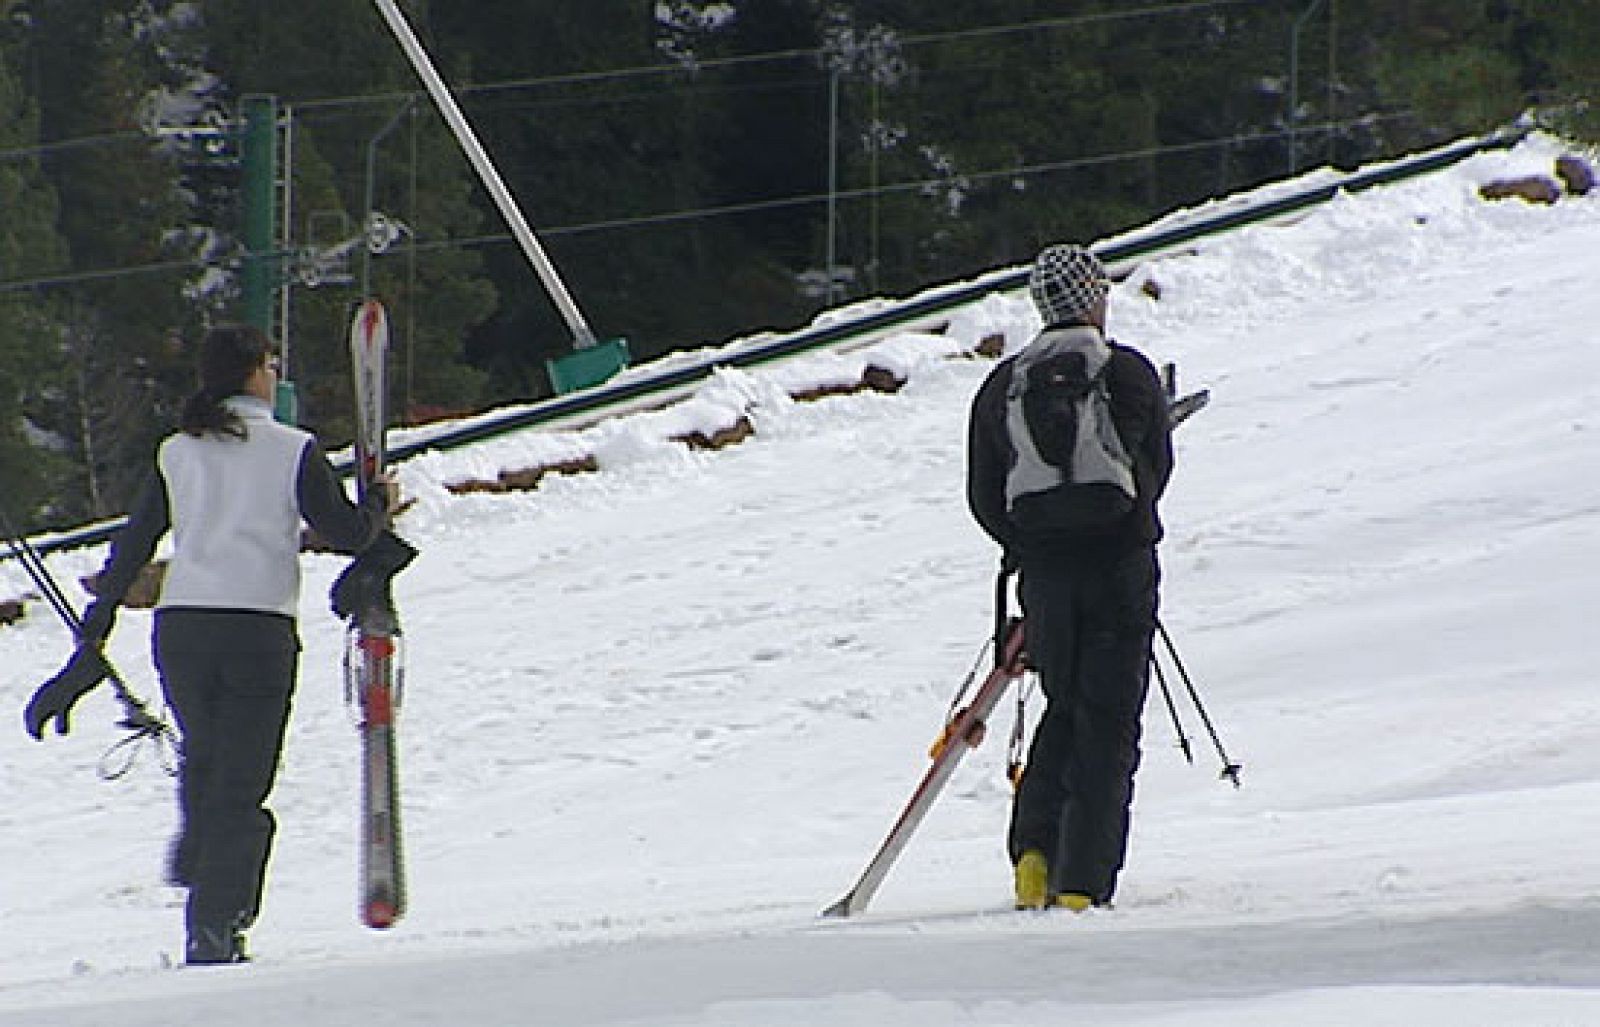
{"points": [[1002, 612]]}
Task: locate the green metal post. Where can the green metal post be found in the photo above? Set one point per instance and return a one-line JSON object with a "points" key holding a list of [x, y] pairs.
{"points": [[262, 272], [260, 160]]}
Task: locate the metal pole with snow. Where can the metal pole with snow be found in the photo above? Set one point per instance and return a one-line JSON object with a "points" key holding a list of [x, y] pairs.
{"points": [[582, 336]]}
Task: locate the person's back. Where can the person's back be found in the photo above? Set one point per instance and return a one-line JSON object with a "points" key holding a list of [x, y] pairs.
{"points": [[235, 514]]}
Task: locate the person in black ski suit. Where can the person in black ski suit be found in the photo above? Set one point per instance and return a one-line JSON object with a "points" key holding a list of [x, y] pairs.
{"points": [[233, 485], [1089, 600]]}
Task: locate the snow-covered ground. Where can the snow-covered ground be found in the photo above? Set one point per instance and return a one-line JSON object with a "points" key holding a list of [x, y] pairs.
{"points": [[657, 717]]}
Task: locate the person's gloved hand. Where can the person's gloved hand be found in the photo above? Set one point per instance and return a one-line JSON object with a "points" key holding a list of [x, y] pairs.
{"points": [[98, 620], [55, 698], [365, 583]]}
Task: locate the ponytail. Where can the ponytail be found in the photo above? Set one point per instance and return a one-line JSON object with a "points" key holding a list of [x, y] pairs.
{"points": [[204, 412]]}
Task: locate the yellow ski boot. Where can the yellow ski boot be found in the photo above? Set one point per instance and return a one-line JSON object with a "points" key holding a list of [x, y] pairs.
{"points": [[1032, 880]]}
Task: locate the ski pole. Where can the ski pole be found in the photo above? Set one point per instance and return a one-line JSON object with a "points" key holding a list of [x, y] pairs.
{"points": [[1172, 710], [1002, 608], [136, 716], [1016, 762], [1003, 624], [33, 563], [1230, 769], [997, 643]]}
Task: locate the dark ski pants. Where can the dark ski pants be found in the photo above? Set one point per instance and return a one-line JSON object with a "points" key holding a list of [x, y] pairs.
{"points": [[1089, 628], [228, 676]]}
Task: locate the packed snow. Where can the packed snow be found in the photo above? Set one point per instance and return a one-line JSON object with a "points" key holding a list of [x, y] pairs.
{"points": [[658, 716]]}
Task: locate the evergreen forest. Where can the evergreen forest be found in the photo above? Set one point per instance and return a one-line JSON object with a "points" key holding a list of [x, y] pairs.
{"points": [[694, 170]]}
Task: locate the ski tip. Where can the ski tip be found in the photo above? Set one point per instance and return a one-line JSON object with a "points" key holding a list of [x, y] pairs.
{"points": [[838, 911], [371, 322], [380, 914]]}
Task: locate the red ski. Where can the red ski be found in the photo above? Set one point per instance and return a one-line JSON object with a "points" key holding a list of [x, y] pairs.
{"points": [[372, 668]]}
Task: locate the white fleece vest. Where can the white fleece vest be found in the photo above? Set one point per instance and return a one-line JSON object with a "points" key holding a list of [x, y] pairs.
{"points": [[235, 515]]}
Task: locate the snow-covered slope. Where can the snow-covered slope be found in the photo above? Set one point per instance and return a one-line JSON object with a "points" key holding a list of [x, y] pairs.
{"points": [[658, 716]]}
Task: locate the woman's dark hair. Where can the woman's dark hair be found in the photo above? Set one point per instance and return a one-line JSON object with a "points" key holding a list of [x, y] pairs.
{"points": [[229, 355]]}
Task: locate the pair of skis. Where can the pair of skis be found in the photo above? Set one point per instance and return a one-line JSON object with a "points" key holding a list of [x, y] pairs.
{"points": [[965, 729], [373, 672]]}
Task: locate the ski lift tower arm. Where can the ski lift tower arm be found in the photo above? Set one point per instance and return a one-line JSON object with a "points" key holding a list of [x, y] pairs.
{"points": [[582, 336]]}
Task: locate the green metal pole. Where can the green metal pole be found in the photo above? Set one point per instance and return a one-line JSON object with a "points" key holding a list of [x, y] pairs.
{"points": [[260, 160], [261, 276]]}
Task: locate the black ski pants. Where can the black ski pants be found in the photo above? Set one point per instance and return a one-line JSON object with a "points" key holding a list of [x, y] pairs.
{"points": [[1090, 623], [228, 677]]}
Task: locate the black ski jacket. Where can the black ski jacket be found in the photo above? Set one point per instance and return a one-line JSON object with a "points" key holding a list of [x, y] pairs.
{"points": [[1139, 408]]}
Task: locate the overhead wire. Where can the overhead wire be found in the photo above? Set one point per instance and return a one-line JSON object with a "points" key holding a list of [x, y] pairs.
{"points": [[325, 106], [760, 205]]}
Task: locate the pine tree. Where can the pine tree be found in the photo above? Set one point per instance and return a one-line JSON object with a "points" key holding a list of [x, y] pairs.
{"points": [[29, 334], [95, 63], [1557, 45]]}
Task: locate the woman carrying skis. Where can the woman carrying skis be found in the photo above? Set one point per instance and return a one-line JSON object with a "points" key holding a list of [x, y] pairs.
{"points": [[233, 486]]}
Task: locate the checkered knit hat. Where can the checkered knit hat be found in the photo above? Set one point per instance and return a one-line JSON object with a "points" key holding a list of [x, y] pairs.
{"points": [[1066, 283]]}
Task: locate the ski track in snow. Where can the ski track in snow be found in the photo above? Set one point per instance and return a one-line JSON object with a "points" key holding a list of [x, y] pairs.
{"points": [[657, 717]]}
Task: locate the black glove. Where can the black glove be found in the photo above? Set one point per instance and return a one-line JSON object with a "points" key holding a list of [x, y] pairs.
{"points": [[364, 585], [98, 621], [55, 698]]}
